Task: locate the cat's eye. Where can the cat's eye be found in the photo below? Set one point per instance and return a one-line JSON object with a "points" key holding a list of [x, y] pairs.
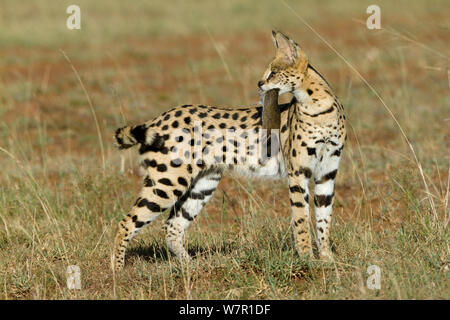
{"points": [[272, 73]]}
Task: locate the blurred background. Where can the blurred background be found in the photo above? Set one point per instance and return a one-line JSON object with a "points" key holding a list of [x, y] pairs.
{"points": [[63, 186]]}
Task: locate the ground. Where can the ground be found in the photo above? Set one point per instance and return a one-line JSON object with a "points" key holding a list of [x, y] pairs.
{"points": [[62, 190]]}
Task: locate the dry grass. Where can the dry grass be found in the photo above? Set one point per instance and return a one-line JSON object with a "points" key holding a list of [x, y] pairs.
{"points": [[60, 201]]}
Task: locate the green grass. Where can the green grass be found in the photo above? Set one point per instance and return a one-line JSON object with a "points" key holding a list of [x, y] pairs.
{"points": [[58, 207]]}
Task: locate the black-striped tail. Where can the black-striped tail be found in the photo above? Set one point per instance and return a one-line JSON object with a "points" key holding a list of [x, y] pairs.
{"points": [[129, 136]]}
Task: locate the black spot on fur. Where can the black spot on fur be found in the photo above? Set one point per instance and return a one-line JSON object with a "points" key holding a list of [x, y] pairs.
{"points": [[257, 115], [175, 163], [177, 193], [329, 110], [305, 171], [296, 189], [152, 206], [139, 133], [200, 163], [165, 181], [139, 224], [337, 153], [150, 163], [323, 200], [155, 146], [329, 176], [161, 167], [182, 181], [297, 204], [161, 193], [202, 194], [186, 214], [311, 151], [148, 182]]}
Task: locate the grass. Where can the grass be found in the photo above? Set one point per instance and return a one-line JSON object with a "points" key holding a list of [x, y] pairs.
{"points": [[60, 201]]}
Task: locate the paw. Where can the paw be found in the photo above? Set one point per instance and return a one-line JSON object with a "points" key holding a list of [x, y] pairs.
{"points": [[184, 257], [305, 252], [326, 256]]}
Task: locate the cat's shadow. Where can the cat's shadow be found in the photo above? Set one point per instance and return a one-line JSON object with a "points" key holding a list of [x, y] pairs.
{"points": [[160, 252]]}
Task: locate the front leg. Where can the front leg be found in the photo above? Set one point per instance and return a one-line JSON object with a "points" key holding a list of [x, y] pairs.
{"points": [[299, 194]]}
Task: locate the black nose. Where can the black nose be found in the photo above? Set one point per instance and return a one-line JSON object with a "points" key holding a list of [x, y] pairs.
{"points": [[260, 83]]}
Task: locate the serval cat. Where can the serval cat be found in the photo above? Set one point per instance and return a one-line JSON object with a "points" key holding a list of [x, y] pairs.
{"points": [[185, 151]]}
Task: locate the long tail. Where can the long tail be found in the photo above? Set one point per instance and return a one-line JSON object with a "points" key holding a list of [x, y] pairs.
{"points": [[129, 136]]}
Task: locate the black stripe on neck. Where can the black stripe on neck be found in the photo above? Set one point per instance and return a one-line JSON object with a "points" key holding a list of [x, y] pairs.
{"points": [[313, 69]]}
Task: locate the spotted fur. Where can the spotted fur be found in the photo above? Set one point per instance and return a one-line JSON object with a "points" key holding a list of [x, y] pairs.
{"points": [[185, 151]]}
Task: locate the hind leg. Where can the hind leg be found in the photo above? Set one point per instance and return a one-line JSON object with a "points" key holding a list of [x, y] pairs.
{"points": [[187, 208], [152, 201], [323, 201]]}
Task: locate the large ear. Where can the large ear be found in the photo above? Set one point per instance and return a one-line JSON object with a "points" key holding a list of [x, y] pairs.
{"points": [[288, 50]]}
